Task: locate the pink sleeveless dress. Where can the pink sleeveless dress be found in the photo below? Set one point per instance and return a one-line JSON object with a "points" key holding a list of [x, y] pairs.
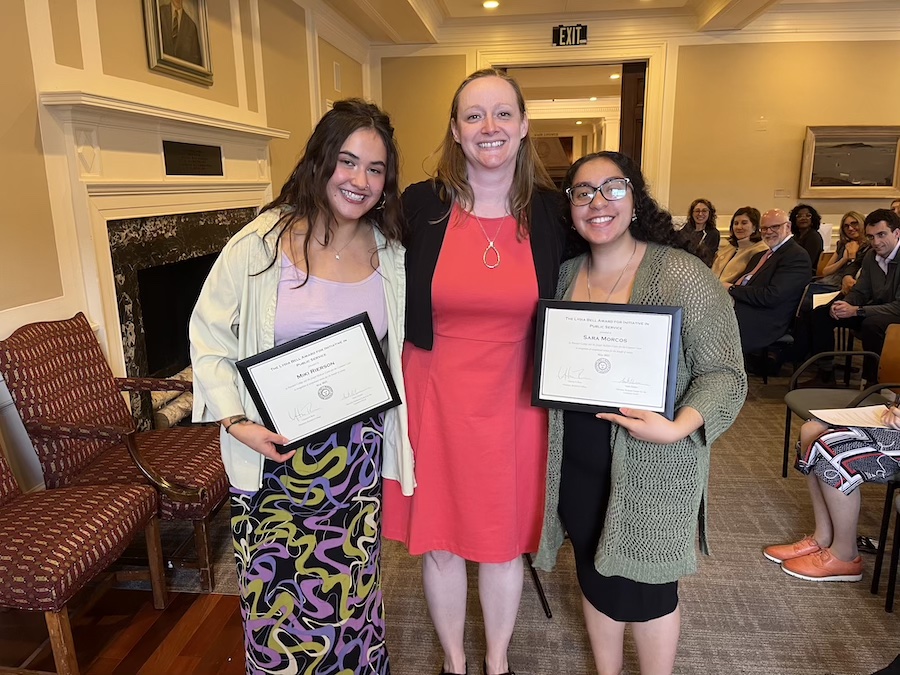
{"points": [[480, 447]]}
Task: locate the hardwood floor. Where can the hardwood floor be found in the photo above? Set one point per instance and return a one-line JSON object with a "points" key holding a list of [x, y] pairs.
{"points": [[123, 635]]}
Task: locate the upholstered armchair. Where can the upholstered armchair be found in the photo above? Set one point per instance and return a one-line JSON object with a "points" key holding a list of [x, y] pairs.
{"points": [[53, 542], [83, 432]]}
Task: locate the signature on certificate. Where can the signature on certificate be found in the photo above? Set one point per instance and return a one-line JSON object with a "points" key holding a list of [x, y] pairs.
{"points": [[355, 393], [569, 374], [632, 384], [301, 413]]}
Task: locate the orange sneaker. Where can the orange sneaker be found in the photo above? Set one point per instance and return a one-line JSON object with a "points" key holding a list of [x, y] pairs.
{"points": [[822, 566], [781, 552]]}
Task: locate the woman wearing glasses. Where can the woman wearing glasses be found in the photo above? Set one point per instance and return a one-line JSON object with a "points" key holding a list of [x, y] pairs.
{"points": [[851, 248], [630, 488], [702, 231]]}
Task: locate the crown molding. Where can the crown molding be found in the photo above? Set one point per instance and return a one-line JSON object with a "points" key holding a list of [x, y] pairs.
{"points": [[336, 30]]}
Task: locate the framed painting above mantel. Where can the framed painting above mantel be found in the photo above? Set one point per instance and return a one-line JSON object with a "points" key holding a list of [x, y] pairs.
{"points": [[178, 39], [859, 162]]}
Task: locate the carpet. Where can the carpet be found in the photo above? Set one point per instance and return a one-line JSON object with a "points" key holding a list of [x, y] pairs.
{"points": [[741, 614]]}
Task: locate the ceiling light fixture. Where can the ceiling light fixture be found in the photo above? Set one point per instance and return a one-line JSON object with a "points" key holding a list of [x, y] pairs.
{"points": [[579, 122], [490, 4], [614, 76], [592, 98]]}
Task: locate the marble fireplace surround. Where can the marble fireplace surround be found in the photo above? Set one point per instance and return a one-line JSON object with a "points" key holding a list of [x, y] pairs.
{"points": [[123, 199]]}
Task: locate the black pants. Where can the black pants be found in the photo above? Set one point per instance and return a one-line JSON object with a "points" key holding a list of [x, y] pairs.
{"points": [[872, 330]]}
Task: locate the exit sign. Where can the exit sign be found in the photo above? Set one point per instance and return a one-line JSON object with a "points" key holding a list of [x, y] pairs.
{"points": [[568, 36]]}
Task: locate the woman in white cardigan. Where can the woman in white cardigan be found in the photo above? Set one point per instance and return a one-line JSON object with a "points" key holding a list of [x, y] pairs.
{"points": [[306, 524]]}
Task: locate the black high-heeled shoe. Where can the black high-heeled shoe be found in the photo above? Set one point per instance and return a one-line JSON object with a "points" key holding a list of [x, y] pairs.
{"points": [[484, 669]]}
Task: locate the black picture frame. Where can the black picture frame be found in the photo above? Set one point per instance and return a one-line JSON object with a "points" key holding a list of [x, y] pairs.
{"points": [[244, 367], [540, 346]]}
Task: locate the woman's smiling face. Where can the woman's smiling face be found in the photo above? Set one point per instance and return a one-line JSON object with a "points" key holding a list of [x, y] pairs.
{"points": [[601, 221]]}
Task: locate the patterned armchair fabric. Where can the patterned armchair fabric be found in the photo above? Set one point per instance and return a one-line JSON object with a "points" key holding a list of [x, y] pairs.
{"points": [[53, 542], [78, 421], [56, 371]]}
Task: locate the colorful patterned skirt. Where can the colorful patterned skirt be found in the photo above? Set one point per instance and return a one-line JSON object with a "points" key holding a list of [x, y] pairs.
{"points": [[844, 458], [308, 549]]}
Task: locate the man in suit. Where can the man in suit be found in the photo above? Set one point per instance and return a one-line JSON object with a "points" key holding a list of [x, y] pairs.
{"points": [[179, 33], [872, 305], [766, 295]]}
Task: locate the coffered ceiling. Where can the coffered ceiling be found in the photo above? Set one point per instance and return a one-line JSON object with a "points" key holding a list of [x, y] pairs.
{"points": [[420, 21]]}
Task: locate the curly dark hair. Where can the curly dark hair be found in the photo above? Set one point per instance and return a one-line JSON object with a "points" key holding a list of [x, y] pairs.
{"points": [[710, 222], [754, 217], [816, 218], [653, 223], [304, 194]]}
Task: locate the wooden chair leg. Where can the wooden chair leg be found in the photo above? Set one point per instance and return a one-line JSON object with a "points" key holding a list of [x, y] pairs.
{"points": [[892, 573], [882, 536], [61, 642], [157, 567], [204, 561], [787, 441]]}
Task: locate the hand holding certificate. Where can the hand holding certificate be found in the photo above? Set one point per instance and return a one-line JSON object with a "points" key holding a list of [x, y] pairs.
{"points": [[602, 357], [314, 383]]}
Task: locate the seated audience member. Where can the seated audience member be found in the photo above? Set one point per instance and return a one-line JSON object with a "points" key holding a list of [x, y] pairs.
{"points": [[700, 229], [836, 462], [895, 206], [848, 255], [872, 305], [766, 295], [743, 243], [805, 221]]}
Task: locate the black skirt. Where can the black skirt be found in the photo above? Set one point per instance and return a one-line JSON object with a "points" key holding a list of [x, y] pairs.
{"points": [[583, 499]]}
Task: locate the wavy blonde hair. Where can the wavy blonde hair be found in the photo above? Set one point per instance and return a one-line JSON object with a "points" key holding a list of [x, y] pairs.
{"points": [[451, 172]]}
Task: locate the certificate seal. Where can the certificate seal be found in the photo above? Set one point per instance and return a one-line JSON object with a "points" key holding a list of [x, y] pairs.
{"points": [[325, 392], [602, 365]]}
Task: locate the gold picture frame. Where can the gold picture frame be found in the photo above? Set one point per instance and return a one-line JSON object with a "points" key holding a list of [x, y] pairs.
{"points": [[851, 162], [178, 47]]}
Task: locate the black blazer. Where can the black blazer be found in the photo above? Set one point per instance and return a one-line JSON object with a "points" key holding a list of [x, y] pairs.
{"points": [[426, 223], [766, 306]]}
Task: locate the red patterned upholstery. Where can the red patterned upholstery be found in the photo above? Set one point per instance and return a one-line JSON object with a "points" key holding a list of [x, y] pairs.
{"points": [[56, 371], [77, 419], [186, 455], [53, 542], [9, 488]]}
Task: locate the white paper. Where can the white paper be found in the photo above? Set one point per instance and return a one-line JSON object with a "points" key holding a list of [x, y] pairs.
{"points": [[820, 299], [864, 416], [606, 358], [321, 384]]}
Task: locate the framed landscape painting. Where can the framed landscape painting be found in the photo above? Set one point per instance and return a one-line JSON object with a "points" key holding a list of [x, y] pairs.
{"points": [[851, 162]]}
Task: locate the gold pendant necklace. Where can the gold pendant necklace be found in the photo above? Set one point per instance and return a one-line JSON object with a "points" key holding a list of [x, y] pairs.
{"points": [[337, 252], [587, 276], [490, 246]]}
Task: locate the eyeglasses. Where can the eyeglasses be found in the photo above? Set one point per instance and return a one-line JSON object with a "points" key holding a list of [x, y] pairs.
{"points": [[772, 228], [612, 189]]}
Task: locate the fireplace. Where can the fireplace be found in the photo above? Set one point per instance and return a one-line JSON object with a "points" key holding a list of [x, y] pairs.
{"points": [[159, 264]]}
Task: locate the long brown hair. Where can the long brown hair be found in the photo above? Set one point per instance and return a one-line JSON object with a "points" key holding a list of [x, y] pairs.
{"points": [[304, 194], [451, 173]]}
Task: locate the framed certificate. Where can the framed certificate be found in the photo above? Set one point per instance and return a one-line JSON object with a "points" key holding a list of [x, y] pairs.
{"points": [[600, 357], [309, 385]]}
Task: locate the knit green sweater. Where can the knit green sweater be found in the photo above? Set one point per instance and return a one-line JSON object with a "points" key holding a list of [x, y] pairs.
{"points": [[658, 492]]}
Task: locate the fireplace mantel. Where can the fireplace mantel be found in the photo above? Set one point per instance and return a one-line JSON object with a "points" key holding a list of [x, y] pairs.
{"points": [[87, 107]]}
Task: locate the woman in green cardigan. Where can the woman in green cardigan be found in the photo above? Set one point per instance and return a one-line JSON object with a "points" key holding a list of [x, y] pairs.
{"points": [[629, 488]]}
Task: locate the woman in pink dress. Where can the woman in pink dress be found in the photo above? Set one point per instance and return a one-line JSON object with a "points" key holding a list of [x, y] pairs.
{"points": [[484, 243]]}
